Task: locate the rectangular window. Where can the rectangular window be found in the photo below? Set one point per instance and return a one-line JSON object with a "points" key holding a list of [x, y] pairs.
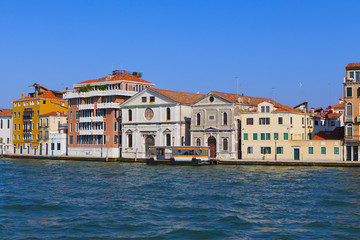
{"points": [[143, 99], [280, 120], [303, 121], [70, 115], [323, 150], [14, 126], [348, 91], [279, 150], [1, 124], [262, 108], [71, 139], [152, 99], [267, 109], [336, 151], [351, 74], [311, 150], [316, 122], [267, 136], [245, 136], [58, 146], [262, 136], [276, 136], [115, 126], [250, 150], [286, 136], [290, 120], [52, 146], [265, 150], [249, 121], [264, 121], [255, 137]]}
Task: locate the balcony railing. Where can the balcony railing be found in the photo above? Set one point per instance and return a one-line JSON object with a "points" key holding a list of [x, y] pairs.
{"points": [[91, 132], [86, 106], [349, 118], [108, 105], [91, 119], [70, 95], [352, 138]]}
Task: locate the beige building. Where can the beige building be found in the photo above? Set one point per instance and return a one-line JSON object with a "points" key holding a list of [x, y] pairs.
{"points": [[274, 132], [49, 124]]}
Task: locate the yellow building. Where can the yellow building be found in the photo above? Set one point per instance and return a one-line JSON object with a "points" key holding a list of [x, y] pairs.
{"points": [[26, 117]]}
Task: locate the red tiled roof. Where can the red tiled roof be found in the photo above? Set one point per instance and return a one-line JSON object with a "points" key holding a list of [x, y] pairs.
{"points": [[48, 95], [255, 101], [5, 112], [351, 65], [235, 98], [338, 133], [60, 114], [339, 105], [180, 97], [117, 77]]}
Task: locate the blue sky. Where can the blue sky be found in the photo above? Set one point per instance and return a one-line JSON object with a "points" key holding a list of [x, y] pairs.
{"points": [[259, 48]]}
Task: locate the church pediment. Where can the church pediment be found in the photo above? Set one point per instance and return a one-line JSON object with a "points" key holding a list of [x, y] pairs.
{"points": [[211, 129]]}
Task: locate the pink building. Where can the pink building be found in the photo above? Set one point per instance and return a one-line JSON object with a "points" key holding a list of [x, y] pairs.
{"points": [[94, 120]]}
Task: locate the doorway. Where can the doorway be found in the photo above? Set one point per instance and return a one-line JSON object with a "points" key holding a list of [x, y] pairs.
{"points": [[212, 146], [296, 153], [149, 141], [355, 153]]}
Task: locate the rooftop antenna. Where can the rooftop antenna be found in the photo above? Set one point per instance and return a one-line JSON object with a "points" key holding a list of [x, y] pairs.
{"points": [[274, 93], [238, 86]]}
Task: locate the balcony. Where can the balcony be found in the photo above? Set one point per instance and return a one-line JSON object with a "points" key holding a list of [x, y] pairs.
{"points": [[91, 119], [70, 95], [352, 138], [91, 132], [44, 126], [108, 105], [86, 106], [349, 118]]}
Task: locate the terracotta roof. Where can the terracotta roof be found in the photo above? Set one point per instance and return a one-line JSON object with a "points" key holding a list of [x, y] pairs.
{"points": [[353, 65], [48, 95], [60, 114], [117, 77], [5, 112], [338, 133], [283, 108], [339, 105], [180, 97], [235, 98], [331, 115]]}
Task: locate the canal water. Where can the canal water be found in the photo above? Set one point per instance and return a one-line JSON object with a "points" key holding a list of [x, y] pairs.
{"points": [[47, 199]]}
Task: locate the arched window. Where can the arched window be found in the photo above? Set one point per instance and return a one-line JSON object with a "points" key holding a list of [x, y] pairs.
{"points": [[225, 120], [198, 119], [349, 109], [130, 115], [198, 142], [130, 141], [168, 139], [168, 114], [225, 144], [349, 130], [358, 92]]}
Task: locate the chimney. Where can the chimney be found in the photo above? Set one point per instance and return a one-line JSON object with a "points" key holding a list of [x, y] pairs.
{"points": [[312, 111], [249, 100], [67, 89], [22, 95], [36, 94]]}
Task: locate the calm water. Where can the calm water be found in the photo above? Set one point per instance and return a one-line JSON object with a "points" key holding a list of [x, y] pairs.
{"points": [[43, 199]]}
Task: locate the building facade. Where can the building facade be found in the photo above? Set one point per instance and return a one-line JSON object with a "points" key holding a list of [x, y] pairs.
{"points": [[352, 116], [269, 132], [5, 131], [94, 120], [156, 117], [26, 117], [215, 122]]}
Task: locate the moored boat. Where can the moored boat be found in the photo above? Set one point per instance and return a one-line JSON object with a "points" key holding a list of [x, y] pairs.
{"points": [[181, 155]]}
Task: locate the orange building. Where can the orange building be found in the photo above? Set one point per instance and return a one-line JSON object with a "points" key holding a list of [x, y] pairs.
{"points": [[94, 120], [352, 116], [26, 117]]}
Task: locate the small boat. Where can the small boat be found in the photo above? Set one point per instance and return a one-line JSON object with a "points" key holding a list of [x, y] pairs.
{"points": [[182, 155]]}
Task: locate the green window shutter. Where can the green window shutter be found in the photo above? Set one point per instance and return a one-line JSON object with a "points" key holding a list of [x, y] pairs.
{"points": [[254, 136], [262, 135], [336, 150], [311, 150], [262, 150], [323, 150], [276, 136], [245, 136], [286, 136], [268, 136]]}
